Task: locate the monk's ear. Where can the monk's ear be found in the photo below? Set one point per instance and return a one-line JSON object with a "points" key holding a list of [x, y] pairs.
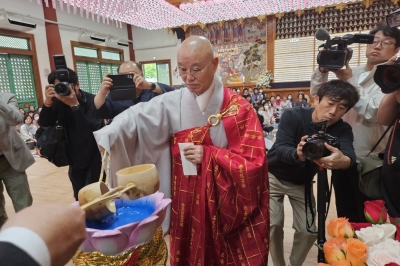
{"points": [[215, 63]]}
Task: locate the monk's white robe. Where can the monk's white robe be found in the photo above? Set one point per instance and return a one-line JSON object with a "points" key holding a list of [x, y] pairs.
{"points": [[141, 134]]}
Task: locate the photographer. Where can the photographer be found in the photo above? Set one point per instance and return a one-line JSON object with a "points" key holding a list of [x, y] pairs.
{"points": [[387, 111], [75, 112], [363, 117], [287, 164], [108, 109]]}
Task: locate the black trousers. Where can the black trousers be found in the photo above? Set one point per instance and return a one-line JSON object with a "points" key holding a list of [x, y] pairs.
{"points": [[349, 199], [84, 176]]}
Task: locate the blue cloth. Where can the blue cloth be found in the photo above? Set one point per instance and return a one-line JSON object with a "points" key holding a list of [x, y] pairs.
{"points": [[111, 109]]}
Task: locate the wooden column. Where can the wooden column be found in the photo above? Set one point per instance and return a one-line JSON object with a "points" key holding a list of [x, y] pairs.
{"points": [[53, 37], [187, 32], [131, 51], [271, 36]]}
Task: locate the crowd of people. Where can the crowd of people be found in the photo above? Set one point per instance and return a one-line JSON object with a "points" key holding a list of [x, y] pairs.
{"points": [[270, 109], [232, 208]]}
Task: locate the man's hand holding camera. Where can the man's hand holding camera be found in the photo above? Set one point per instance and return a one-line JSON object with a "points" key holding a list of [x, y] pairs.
{"points": [[70, 100], [106, 84], [299, 149], [336, 160], [140, 82], [50, 94], [342, 74]]}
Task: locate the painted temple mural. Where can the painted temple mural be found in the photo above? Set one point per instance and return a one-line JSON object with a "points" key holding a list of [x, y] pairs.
{"points": [[240, 47]]}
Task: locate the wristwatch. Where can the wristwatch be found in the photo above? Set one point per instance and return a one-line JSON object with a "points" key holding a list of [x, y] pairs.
{"points": [[153, 86], [75, 107]]}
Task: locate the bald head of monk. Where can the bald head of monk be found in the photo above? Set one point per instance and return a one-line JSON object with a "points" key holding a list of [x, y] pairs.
{"points": [[196, 64]]}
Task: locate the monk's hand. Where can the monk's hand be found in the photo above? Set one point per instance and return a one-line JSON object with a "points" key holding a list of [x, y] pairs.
{"points": [[194, 153]]}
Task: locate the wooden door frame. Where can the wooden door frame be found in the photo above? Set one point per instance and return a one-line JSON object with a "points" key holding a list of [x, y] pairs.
{"points": [[31, 52], [168, 61]]}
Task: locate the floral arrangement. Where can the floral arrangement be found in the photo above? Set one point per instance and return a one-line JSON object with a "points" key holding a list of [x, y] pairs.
{"points": [[360, 244], [264, 79]]}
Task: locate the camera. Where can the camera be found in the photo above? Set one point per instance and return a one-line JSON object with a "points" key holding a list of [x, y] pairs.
{"points": [[123, 87], [314, 147], [62, 75], [335, 52], [388, 76]]}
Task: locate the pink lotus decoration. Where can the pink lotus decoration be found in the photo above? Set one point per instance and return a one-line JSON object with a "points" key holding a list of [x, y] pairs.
{"points": [[120, 239]]}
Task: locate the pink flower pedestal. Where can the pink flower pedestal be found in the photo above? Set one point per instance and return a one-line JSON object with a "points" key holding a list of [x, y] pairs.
{"points": [[120, 239]]}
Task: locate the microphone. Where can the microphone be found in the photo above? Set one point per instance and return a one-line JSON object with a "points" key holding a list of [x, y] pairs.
{"points": [[322, 35]]}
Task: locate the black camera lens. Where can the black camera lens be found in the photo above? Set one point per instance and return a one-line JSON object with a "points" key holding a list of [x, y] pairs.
{"points": [[314, 149], [388, 77], [336, 58], [62, 89], [391, 76]]}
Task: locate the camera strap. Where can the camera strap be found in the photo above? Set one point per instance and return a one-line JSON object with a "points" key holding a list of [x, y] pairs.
{"points": [[393, 145], [309, 199], [384, 133]]}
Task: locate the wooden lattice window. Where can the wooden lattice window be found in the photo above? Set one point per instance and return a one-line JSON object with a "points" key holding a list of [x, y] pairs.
{"points": [[18, 68], [93, 62], [91, 74]]}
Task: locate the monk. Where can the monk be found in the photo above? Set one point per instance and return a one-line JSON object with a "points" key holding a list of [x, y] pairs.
{"points": [[220, 213]]}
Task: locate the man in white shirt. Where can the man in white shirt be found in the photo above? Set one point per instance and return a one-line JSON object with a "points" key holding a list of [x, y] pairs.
{"points": [[362, 117]]}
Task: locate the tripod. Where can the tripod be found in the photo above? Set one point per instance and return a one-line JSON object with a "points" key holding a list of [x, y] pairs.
{"points": [[323, 195]]}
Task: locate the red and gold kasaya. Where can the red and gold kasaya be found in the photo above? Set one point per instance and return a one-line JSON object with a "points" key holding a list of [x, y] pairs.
{"points": [[221, 216]]}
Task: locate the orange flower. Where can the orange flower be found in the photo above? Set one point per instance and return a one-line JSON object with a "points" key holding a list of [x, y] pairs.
{"points": [[333, 250], [341, 263], [323, 264], [356, 252], [340, 242], [340, 227]]}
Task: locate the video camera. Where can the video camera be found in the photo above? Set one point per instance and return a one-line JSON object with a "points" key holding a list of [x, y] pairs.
{"points": [[388, 76], [62, 75], [314, 147], [335, 52]]}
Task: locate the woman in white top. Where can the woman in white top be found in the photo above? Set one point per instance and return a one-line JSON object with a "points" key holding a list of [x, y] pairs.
{"points": [[28, 130]]}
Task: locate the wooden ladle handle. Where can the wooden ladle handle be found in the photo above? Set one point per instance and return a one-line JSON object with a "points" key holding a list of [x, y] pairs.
{"points": [[113, 194]]}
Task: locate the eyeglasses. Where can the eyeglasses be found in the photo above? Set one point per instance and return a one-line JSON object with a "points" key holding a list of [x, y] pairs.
{"points": [[385, 44], [195, 71]]}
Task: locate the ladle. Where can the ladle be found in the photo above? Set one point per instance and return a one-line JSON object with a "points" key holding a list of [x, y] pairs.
{"points": [[130, 189]]}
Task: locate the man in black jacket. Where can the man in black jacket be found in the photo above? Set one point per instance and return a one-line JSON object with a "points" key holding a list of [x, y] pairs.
{"points": [[287, 166], [75, 112], [145, 91]]}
